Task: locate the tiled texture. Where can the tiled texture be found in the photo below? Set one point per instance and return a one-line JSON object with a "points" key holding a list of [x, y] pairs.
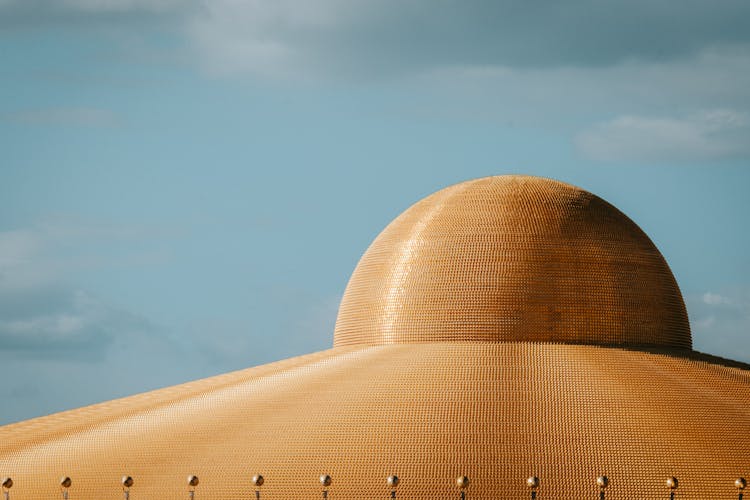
{"points": [[500, 328], [513, 258], [497, 412]]}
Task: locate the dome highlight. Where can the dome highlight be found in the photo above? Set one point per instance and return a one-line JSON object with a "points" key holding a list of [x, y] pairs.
{"points": [[513, 259]]}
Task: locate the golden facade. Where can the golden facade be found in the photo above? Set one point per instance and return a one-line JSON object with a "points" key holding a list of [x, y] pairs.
{"points": [[500, 329]]}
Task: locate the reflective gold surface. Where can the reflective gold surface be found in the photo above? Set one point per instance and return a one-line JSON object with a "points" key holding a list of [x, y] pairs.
{"points": [[446, 385], [496, 412], [512, 258]]}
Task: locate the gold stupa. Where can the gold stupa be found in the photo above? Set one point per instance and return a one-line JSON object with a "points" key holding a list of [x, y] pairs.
{"points": [[501, 329]]}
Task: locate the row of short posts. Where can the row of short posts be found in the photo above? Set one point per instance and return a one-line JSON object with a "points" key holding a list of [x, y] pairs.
{"points": [[462, 482]]}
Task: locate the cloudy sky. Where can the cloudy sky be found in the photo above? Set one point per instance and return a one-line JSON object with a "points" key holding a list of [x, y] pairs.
{"points": [[186, 185]]}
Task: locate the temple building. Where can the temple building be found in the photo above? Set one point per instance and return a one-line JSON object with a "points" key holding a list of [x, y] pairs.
{"points": [[504, 338]]}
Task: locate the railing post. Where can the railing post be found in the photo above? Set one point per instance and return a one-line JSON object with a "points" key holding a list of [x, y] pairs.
{"points": [[65, 483], [392, 481], [672, 484], [602, 482], [325, 481], [192, 483], [740, 484], [533, 483], [127, 482], [258, 482], [462, 482], [6, 484]]}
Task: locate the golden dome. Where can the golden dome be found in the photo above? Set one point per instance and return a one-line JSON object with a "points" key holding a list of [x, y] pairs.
{"points": [[513, 258]]}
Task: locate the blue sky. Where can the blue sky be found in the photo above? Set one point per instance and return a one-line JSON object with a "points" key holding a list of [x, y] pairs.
{"points": [[185, 186]]}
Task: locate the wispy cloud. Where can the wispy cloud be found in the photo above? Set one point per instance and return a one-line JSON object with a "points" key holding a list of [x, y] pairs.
{"points": [[122, 5], [61, 322], [375, 37], [368, 37], [56, 333], [15, 13], [714, 134], [84, 117], [41, 312], [721, 322]]}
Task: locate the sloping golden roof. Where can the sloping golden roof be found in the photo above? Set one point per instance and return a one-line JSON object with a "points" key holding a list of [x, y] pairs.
{"points": [[496, 404]]}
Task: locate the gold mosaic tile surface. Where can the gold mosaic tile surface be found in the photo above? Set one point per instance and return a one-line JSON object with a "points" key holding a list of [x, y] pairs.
{"points": [[496, 412], [513, 258]]}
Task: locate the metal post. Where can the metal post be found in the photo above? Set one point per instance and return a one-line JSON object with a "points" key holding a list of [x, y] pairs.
{"points": [[258, 482], [533, 483], [6, 483], [127, 482], [325, 481], [740, 484]]}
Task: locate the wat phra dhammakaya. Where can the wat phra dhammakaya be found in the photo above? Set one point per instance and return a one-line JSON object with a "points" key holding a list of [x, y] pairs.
{"points": [[504, 338]]}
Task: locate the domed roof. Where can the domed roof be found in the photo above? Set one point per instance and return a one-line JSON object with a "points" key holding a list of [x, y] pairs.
{"points": [[513, 258]]}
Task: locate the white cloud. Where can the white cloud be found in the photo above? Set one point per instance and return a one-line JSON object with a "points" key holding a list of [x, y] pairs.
{"points": [[74, 321], [713, 134], [663, 101], [264, 38], [714, 299], [41, 313], [721, 322], [40, 255], [356, 37]]}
